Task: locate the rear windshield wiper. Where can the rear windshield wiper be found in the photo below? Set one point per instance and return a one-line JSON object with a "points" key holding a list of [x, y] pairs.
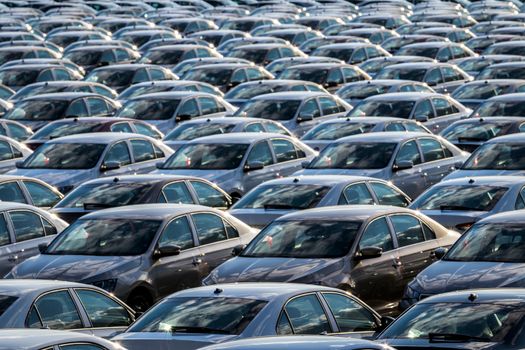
{"points": [[456, 207], [182, 329], [454, 337]]}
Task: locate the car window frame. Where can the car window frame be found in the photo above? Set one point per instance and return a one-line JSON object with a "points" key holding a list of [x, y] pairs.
{"points": [[327, 312]]}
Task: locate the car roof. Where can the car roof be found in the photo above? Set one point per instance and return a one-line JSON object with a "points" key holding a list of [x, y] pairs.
{"points": [[168, 95], [139, 178], [290, 95], [492, 295], [519, 138], [320, 65], [169, 47], [230, 65], [496, 82], [343, 213], [96, 137], [403, 96], [387, 82], [278, 82], [365, 119], [61, 96], [386, 137], [36, 338], [519, 96], [238, 137], [326, 180], [350, 45], [146, 211], [15, 205], [261, 46], [416, 65], [24, 286]]}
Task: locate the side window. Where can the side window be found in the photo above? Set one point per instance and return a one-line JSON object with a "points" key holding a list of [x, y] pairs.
{"points": [[40, 194], [61, 74], [27, 225], [356, 194], [351, 75], [118, 153], [450, 74], [424, 110], [254, 74], [272, 55], [17, 132], [210, 228], [377, 234], [444, 107], [409, 151], [335, 76], [102, 310], [276, 128], [189, 109], [11, 192], [444, 55], [433, 77], [122, 55], [283, 325], [408, 230], [254, 127], [407, 88], [140, 76], [395, 126], [307, 316], [432, 150], [310, 108], [46, 75], [328, 106], [176, 192], [209, 196], [260, 153], [156, 74], [56, 311], [145, 129], [239, 76], [208, 105], [177, 232], [459, 52], [373, 52], [142, 150], [284, 150], [349, 314], [121, 127], [77, 108], [4, 231], [97, 106], [520, 201], [5, 151], [388, 196], [358, 56]]}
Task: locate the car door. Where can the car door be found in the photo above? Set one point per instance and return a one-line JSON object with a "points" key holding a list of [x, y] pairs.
{"points": [[302, 315], [209, 106], [260, 152], [306, 117], [10, 191], [9, 155], [177, 193], [411, 180], [169, 274], [438, 160], [209, 196], [117, 154], [188, 110], [330, 109], [77, 108], [55, 310], [424, 111], [370, 276], [97, 106], [144, 156], [7, 260], [446, 114]]}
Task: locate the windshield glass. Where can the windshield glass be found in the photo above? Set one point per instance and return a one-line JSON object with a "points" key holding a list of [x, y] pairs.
{"points": [[207, 156], [65, 156], [430, 52], [149, 109], [476, 198], [354, 156], [334, 131], [84, 57], [38, 110], [134, 91], [270, 109], [460, 321], [500, 108], [397, 109], [481, 91], [314, 75], [474, 65], [162, 57], [497, 156], [251, 90], [18, 78], [402, 73], [189, 131], [501, 73], [210, 76], [475, 131], [312, 239], [255, 56], [497, 242], [55, 130], [105, 195], [111, 77], [341, 54], [105, 237], [362, 91], [200, 315], [283, 197]]}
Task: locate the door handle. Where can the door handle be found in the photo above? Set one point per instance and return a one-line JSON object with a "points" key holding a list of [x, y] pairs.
{"points": [[432, 254], [397, 263], [13, 258], [197, 261]]}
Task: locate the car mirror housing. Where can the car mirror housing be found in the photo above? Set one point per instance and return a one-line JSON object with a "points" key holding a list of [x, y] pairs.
{"points": [[106, 166], [305, 117], [440, 252], [42, 247], [421, 118], [384, 322], [253, 166], [237, 250], [403, 164], [369, 253], [19, 164], [167, 250]]}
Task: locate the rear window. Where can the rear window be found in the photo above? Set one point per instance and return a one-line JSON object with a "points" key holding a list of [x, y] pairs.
{"points": [[5, 302], [468, 198], [284, 197]]}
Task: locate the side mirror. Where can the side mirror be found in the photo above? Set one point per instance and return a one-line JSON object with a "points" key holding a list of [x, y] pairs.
{"points": [[331, 83], [106, 166], [159, 165], [440, 252], [237, 250], [253, 166], [369, 253], [305, 117], [182, 117], [19, 164], [42, 247], [305, 164], [403, 164], [421, 118], [167, 250]]}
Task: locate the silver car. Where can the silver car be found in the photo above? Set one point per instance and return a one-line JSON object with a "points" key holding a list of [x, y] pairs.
{"points": [[11, 152], [410, 160], [238, 162], [275, 198], [28, 190]]}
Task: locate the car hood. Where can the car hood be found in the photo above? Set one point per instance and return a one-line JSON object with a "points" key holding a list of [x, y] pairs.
{"points": [[359, 172], [446, 276], [76, 268], [55, 177], [166, 340], [468, 173]]}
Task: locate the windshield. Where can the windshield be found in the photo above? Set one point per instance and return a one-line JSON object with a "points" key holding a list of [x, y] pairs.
{"points": [[497, 156], [18, 78], [341, 54], [430, 52], [402, 74], [105, 195], [38, 110], [270, 109], [255, 56], [286, 197], [189, 131], [149, 109], [111, 77], [362, 91], [162, 57], [380, 108], [334, 131], [65, 156], [474, 65], [84, 57], [210, 76], [475, 198], [251, 90], [456, 322], [312, 239], [500, 108], [501, 73], [55, 130], [496, 242], [135, 90], [105, 237], [314, 75], [207, 156], [481, 91], [354, 156], [476, 132], [200, 315]]}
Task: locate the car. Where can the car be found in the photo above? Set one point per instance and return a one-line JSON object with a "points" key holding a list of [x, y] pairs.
{"points": [[410, 28], [264, 54], [435, 111], [347, 247], [16, 77], [62, 306], [67, 161], [277, 66], [237, 162], [512, 47], [38, 110], [352, 53], [96, 42], [139, 37], [469, 321], [172, 41], [328, 131], [510, 105], [507, 70], [474, 93], [14, 130], [91, 57], [11, 152], [376, 35], [143, 252], [374, 65], [235, 312], [479, 43], [354, 93], [275, 198], [440, 51], [19, 52], [64, 38], [474, 65], [52, 61], [36, 339], [48, 87], [329, 75], [170, 55], [299, 342], [165, 110], [391, 156], [297, 111], [311, 44], [28, 190], [138, 189], [503, 155], [187, 26]]}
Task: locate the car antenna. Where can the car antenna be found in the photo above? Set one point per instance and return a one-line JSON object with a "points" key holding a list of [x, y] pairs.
{"points": [[115, 179], [217, 291], [472, 296]]}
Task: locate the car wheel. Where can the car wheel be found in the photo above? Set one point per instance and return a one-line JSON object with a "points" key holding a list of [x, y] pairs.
{"points": [[140, 301]]}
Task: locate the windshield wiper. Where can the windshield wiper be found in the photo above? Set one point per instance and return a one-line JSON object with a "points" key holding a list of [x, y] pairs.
{"points": [[472, 139], [96, 206], [277, 206], [456, 207], [454, 337], [182, 329]]}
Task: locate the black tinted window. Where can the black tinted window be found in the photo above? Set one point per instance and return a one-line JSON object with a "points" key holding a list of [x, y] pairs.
{"points": [[210, 228], [408, 230], [102, 310]]}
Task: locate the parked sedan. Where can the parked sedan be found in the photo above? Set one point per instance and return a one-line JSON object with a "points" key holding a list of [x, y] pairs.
{"points": [[16, 77], [276, 198], [410, 160], [441, 51], [238, 162], [474, 65], [508, 105], [349, 247], [14, 130], [142, 252], [11, 152], [28, 190], [218, 314], [62, 305], [507, 70], [474, 93], [67, 161]]}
